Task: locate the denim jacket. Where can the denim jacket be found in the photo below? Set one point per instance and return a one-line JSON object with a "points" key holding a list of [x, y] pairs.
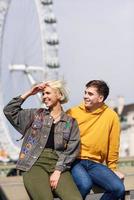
{"points": [[35, 139]]}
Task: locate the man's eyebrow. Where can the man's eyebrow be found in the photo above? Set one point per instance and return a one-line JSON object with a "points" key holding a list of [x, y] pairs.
{"points": [[88, 92]]}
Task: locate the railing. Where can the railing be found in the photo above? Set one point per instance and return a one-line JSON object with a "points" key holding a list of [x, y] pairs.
{"points": [[123, 163], [5, 168], [126, 162]]}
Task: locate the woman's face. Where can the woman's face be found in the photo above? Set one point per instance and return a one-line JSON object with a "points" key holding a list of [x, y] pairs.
{"points": [[51, 96]]}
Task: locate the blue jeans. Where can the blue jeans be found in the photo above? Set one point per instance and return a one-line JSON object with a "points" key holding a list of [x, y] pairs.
{"points": [[87, 173]]}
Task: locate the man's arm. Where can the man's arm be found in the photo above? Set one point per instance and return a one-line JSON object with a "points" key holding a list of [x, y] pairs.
{"points": [[113, 143], [113, 152]]}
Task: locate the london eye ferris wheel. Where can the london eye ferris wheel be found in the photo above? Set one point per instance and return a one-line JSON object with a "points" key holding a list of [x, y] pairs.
{"points": [[28, 54]]}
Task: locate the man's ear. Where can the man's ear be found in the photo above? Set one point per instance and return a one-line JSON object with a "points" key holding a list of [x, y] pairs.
{"points": [[101, 98]]}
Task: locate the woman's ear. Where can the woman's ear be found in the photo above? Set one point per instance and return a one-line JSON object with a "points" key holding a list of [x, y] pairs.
{"points": [[60, 96]]}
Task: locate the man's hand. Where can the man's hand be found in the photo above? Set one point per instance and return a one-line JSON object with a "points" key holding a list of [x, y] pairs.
{"points": [[120, 175], [54, 178]]}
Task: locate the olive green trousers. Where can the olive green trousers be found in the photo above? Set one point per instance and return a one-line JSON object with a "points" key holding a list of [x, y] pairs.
{"points": [[37, 183]]}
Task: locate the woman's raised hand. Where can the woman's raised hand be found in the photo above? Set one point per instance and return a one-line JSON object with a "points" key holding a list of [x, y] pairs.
{"points": [[38, 88], [34, 90]]}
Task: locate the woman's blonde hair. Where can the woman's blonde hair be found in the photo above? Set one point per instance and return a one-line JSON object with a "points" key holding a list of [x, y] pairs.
{"points": [[61, 86]]}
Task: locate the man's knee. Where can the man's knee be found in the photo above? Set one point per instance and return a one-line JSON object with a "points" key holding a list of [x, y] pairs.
{"points": [[118, 190], [84, 187], [121, 190]]}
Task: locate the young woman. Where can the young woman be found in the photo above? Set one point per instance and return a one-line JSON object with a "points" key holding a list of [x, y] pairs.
{"points": [[51, 143]]}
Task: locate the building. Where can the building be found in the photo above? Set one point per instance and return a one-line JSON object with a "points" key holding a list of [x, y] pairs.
{"points": [[127, 131]]}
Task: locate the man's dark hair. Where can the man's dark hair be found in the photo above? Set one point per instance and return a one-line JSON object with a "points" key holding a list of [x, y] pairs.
{"points": [[101, 87]]}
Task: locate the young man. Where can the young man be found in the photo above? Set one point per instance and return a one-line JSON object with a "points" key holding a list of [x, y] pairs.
{"points": [[100, 132]]}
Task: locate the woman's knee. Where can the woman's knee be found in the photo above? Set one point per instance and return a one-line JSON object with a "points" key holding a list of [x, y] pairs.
{"points": [[38, 188]]}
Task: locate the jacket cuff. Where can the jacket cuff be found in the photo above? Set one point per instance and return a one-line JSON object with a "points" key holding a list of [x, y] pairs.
{"points": [[19, 99], [62, 168]]}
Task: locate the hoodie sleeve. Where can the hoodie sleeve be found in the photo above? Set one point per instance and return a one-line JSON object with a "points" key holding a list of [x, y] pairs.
{"points": [[114, 142]]}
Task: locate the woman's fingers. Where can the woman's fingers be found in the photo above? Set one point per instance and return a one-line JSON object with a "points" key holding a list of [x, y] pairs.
{"points": [[53, 184], [54, 178], [43, 85]]}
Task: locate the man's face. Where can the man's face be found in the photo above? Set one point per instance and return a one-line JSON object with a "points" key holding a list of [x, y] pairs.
{"points": [[92, 98]]}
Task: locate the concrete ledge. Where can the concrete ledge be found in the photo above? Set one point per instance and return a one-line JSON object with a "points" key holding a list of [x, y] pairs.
{"points": [[12, 188]]}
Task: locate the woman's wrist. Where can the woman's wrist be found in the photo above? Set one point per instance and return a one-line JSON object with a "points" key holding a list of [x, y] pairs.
{"points": [[25, 95], [57, 172]]}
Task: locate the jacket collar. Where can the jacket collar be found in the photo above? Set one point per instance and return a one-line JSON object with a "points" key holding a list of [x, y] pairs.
{"points": [[64, 116]]}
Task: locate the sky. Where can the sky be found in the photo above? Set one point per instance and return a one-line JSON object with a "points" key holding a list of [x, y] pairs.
{"points": [[96, 42]]}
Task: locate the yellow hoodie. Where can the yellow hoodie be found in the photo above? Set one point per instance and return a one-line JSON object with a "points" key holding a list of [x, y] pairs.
{"points": [[100, 134]]}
